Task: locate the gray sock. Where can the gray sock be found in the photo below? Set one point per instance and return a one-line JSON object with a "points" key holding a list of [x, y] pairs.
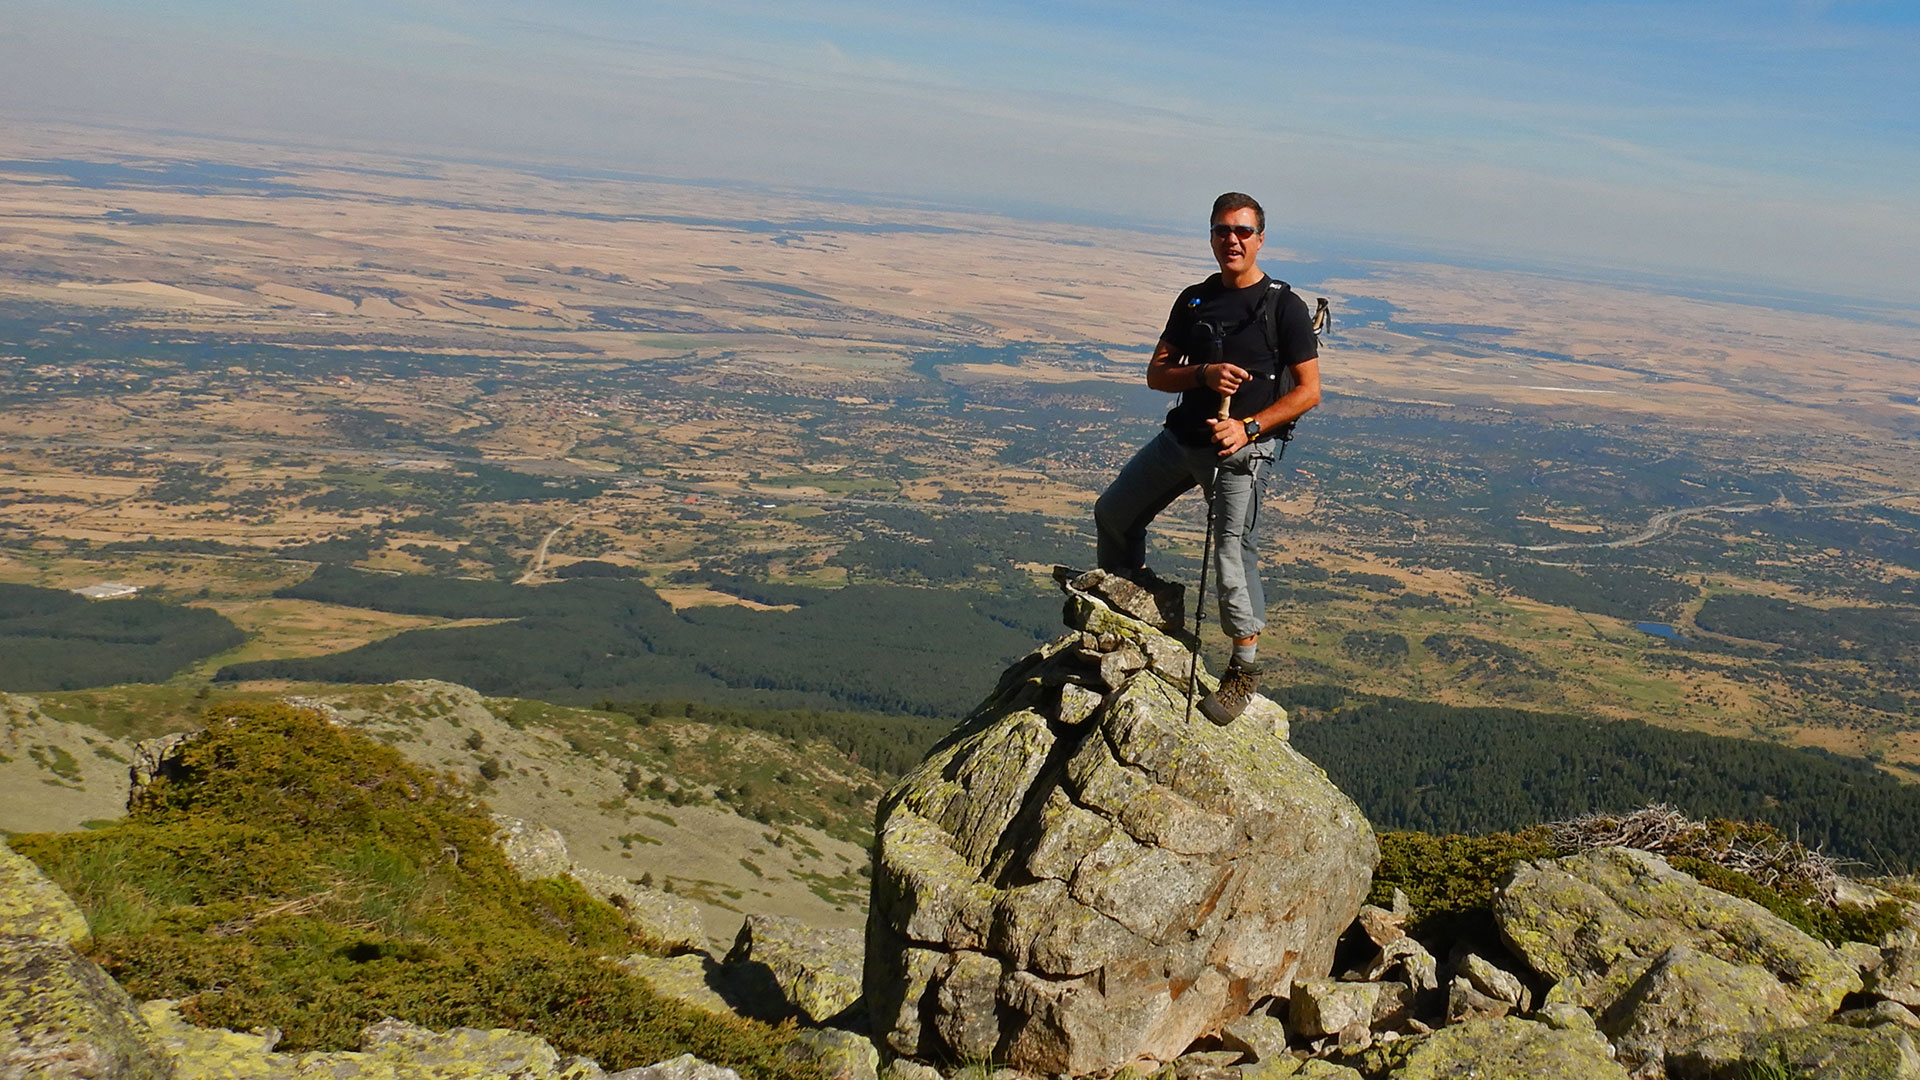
{"points": [[1247, 655]]}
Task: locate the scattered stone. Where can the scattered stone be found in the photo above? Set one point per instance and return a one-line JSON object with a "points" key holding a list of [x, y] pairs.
{"points": [[1355, 1037], [32, 906], [809, 971], [1698, 1004], [1495, 982], [1466, 1002], [1325, 1006], [62, 1018], [1561, 1016], [1381, 926], [1275, 1068], [684, 1067], [1599, 920], [1503, 1049], [1412, 958], [842, 1055], [1321, 1069], [1164, 609], [909, 1069], [1207, 1065], [1395, 1007], [1878, 1014], [1260, 1036], [1072, 899], [1897, 978]]}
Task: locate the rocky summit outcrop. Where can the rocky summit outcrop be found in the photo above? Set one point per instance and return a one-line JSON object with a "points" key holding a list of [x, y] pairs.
{"points": [[1086, 874]]}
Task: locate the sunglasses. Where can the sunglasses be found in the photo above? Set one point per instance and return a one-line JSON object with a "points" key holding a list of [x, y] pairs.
{"points": [[1221, 232]]}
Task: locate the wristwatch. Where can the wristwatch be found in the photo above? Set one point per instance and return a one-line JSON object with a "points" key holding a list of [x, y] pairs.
{"points": [[1253, 429]]}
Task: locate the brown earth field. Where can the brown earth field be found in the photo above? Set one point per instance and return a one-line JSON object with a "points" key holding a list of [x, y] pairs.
{"points": [[215, 355]]}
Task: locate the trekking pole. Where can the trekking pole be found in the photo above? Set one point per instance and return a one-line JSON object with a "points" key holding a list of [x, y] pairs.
{"points": [[1206, 554]]}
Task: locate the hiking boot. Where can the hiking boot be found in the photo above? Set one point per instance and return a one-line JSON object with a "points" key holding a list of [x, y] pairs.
{"points": [[1237, 687]]}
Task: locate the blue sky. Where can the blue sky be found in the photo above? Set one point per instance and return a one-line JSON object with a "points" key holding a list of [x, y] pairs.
{"points": [[1776, 142]]}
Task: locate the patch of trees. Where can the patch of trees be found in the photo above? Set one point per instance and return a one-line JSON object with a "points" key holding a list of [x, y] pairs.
{"points": [[1624, 592], [1888, 636], [55, 640], [892, 649], [1444, 769], [1484, 659], [1375, 646]]}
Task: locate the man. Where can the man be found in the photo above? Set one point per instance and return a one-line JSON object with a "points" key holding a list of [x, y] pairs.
{"points": [[1222, 339]]}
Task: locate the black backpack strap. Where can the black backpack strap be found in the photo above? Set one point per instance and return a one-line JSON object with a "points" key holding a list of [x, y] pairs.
{"points": [[1276, 313], [1276, 303]]}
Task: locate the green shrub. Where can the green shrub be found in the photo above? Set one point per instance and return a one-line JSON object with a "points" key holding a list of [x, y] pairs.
{"points": [[290, 874], [1450, 879]]}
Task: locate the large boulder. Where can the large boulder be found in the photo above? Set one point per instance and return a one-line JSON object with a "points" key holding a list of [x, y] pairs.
{"points": [[1085, 875], [62, 1018], [1698, 1005], [1597, 921]]}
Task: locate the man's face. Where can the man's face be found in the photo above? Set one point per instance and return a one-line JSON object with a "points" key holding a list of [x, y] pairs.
{"points": [[1233, 251]]}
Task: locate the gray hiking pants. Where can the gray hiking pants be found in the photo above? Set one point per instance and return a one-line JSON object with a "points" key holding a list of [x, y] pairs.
{"points": [[1161, 472]]}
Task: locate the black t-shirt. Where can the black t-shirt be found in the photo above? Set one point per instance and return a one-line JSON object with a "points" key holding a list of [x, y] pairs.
{"points": [[1213, 324]]}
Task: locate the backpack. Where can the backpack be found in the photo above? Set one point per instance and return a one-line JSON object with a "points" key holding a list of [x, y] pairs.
{"points": [[1270, 320]]}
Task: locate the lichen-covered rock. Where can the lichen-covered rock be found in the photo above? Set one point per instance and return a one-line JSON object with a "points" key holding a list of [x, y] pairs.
{"points": [[1465, 1001], [1503, 1049], [684, 1067], [1817, 1052], [1699, 1004], [1879, 1014], [1325, 1006], [153, 758], [690, 979], [33, 906], [389, 1050], [536, 851], [1897, 977], [1073, 894], [842, 1055], [62, 1018], [1495, 982], [1596, 921], [1257, 1035], [810, 971]]}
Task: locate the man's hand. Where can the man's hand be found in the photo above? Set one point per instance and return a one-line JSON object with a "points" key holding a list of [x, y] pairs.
{"points": [[1229, 435], [1223, 379]]}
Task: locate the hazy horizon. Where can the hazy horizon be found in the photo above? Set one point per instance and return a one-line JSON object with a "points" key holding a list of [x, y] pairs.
{"points": [[1728, 143]]}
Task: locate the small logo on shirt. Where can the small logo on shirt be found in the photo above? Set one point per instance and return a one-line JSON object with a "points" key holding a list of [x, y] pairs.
{"points": [[1195, 302]]}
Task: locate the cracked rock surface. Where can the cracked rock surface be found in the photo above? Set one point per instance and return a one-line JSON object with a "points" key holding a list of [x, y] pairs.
{"points": [[1083, 875]]}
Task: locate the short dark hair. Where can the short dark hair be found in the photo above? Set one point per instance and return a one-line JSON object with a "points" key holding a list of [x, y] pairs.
{"points": [[1234, 200]]}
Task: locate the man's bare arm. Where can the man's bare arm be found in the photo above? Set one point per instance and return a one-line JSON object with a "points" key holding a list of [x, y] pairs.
{"points": [[1231, 435], [1168, 372]]}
